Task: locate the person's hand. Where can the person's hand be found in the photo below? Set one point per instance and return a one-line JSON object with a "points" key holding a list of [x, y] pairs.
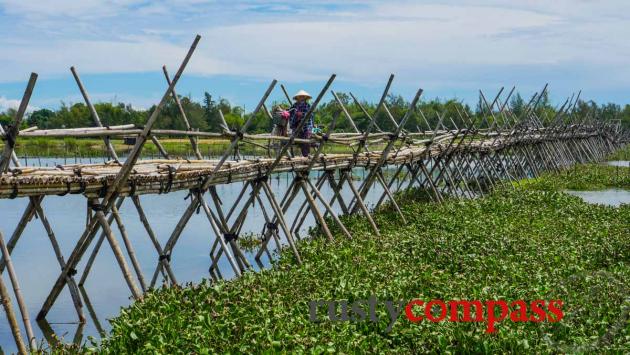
{"points": [[299, 114]]}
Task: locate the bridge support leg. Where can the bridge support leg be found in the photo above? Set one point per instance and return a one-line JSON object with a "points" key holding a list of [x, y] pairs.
{"points": [[120, 258], [318, 194], [5, 298], [72, 285], [286, 202], [429, 179], [281, 220], [97, 246], [17, 291], [364, 208], [381, 180], [220, 238], [34, 209], [130, 250], [337, 188], [389, 185], [91, 312], [163, 259], [315, 210], [305, 208]]}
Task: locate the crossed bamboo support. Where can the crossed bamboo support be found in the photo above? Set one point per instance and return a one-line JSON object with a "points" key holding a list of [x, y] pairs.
{"points": [[451, 156]]}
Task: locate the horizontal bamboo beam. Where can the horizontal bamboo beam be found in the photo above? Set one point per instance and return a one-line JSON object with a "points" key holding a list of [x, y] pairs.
{"points": [[163, 175]]}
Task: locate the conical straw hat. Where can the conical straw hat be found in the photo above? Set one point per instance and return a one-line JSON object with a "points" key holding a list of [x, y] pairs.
{"points": [[302, 93]]}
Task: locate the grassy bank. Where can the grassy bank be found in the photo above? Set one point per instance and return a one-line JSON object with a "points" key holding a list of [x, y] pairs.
{"points": [[91, 147], [531, 243]]}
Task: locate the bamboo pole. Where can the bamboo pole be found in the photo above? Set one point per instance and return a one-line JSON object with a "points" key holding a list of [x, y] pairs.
{"points": [[74, 293], [364, 208], [154, 240], [290, 195], [13, 130], [318, 194], [219, 236], [97, 247], [94, 114], [91, 311], [109, 234], [315, 210], [18, 295], [14, 157], [305, 207], [13, 323], [130, 250], [193, 141], [109, 198], [381, 179], [281, 220]]}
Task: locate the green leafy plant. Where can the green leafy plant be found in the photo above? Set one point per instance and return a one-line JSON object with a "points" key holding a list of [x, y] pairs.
{"points": [[526, 243]]}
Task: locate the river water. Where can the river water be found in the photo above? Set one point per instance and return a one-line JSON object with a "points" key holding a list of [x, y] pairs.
{"points": [[609, 197], [620, 163], [105, 288]]}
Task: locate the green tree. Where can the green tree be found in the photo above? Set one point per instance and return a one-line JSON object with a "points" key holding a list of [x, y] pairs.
{"points": [[517, 105], [41, 118], [7, 117], [76, 115], [211, 113], [624, 116]]}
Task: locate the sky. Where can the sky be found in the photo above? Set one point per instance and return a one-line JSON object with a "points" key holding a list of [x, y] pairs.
{"points": [[451, 49]]}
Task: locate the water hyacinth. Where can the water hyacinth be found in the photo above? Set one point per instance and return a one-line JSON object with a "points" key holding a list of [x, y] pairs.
{"points": [[533, 242]]}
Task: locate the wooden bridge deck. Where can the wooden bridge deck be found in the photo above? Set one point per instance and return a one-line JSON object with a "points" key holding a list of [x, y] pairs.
{"points": [[159, 176]]}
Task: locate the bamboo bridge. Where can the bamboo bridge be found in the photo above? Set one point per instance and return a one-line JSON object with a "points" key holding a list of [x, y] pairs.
{"points": [[447, 161]]}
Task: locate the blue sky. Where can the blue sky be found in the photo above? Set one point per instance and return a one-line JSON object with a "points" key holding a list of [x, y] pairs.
{"points": [[449, 48]]}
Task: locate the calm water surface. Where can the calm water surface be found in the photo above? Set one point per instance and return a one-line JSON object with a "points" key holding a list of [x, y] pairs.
{"points": [[105, 288], [621, 163], [610, 197]]}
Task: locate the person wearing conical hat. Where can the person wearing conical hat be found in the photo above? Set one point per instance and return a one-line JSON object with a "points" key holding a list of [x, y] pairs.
{"points": [[298, 113]]}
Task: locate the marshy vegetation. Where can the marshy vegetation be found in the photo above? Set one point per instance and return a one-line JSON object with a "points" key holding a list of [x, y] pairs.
{"points": [[204, 116], [532, 242], [32, 148]]}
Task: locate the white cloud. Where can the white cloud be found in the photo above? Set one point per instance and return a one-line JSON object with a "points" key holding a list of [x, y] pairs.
{"points": [[85, 9], [387, 41], [382, 39], [440, 42], [6, 104], [138, 55]]}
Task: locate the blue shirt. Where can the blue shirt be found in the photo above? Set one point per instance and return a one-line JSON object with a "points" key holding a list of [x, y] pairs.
{"points": [[294, 120]]}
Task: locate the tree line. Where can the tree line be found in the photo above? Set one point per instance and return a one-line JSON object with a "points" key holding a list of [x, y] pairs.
{"points": [[205, 116]]}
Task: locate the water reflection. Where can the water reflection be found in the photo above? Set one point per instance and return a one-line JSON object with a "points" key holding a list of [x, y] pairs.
{"points": [[105, 290]]}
